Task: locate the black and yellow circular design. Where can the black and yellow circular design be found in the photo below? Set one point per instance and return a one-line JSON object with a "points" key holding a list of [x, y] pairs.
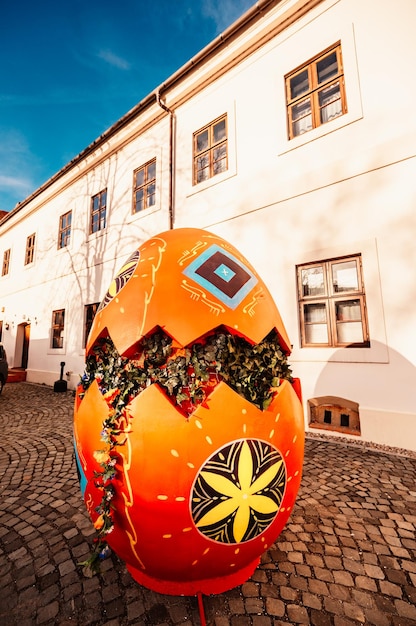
{"points": [[121, 278], [238, 491]]}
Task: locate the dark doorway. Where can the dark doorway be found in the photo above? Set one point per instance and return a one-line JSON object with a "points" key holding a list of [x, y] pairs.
{"points": [[25, 346]]}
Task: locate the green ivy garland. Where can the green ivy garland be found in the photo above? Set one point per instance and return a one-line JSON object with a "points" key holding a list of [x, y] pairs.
{"points": [[186, 375]]}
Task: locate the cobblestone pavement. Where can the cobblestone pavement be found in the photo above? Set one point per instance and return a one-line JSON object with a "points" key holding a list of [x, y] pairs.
{"points": [[347, 555]]}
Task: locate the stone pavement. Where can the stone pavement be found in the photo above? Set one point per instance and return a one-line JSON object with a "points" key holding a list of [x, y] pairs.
{"points": [[347, 555]]}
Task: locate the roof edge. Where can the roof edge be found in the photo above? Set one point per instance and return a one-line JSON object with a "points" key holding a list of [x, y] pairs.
{"points": [[233, 30]]}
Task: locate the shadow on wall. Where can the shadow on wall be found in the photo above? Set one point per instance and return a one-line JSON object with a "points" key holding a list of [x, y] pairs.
{"points": [[345, 391]]}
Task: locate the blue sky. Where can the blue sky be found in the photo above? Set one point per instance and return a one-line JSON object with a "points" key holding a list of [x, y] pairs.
{"points": [[70, 69]]}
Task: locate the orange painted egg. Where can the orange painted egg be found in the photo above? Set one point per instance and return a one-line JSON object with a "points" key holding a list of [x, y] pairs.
{"points": [[188, 426]]}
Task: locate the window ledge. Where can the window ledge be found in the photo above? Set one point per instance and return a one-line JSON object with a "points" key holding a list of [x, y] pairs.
{"points": [[320, 131], [98, 233], [214, 180], [377, 353], [56, 351], [142, 214]]}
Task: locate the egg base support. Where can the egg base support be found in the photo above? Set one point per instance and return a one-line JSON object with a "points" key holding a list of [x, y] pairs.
{"points": [[201, 609], [195, 588], [191, 587]]}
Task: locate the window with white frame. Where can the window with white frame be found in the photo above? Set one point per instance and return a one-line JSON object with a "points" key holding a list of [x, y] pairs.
{"points": [[210, 150], [89, 313], [58, 325], [144, 186], [98, 212], [64, 229], [6, 262], [332, 303], [315, 92], [30, 249]]}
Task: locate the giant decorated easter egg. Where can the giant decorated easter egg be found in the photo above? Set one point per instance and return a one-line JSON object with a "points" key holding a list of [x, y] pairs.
{"points": [[188, 425]]}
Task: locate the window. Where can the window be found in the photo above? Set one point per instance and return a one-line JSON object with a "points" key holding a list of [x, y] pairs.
{"points": [[64, 229], [98, 211], [210, 150], [332, 303], [30, 249], [315, 92], [58, 324], [89, 313], [144, 187], [6, 262]]}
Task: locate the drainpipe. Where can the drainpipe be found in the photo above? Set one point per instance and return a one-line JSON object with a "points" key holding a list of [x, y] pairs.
{"points": [[171, 157]]}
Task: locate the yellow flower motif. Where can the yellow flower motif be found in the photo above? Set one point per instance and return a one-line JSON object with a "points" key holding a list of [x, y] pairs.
{"points": [[242, 498], [101, 456], [99, 522]]}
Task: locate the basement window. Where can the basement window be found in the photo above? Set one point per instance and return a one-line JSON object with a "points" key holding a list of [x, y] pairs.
{"points": [[333, 413]]}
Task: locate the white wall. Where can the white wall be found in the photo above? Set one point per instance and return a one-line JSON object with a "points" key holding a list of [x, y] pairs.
{"points": [[347, 187]]}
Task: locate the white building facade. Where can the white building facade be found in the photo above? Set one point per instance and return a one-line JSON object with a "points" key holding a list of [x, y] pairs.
{"points": [[292, 135]]}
